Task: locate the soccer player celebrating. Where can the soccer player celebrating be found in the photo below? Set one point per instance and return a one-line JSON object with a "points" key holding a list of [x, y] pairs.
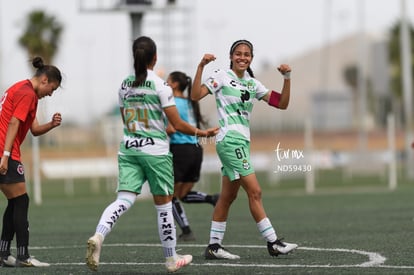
{"points": [[234, 90]]}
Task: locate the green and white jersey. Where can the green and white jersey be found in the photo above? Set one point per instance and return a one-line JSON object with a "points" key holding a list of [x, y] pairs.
{"points": [[145, 122], [234, 99]]}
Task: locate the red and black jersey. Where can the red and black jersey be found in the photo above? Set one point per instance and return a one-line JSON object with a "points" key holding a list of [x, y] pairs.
{"points": [[19, 101]]}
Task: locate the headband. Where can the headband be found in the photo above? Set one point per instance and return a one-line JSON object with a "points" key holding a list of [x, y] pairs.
{"points": [[239, 42]]}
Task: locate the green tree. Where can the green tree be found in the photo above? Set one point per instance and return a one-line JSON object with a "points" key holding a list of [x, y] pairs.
{"points": [[40, 38], [350, 75], [394, 50], [41, 35], [394, 46]]}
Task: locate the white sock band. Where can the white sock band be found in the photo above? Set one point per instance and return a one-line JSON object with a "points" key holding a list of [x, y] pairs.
{"points": [[217, 232], [266, 230]]}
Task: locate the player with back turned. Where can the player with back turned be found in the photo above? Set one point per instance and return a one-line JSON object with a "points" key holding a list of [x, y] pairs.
{"points": [[146, 104]]}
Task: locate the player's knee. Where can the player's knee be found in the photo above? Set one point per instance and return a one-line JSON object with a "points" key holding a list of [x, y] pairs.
{"points": [[255, 194]]}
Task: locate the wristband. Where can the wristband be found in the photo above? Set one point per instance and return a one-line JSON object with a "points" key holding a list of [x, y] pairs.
{"points": [[274, 99], [6, 153], [286, 75]]}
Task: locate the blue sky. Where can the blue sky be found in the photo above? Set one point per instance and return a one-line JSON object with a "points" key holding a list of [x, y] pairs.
{"points": [[95, 49]]}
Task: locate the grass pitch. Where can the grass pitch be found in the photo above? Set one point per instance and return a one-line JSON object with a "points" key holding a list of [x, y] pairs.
{"points": [[344, 228]]}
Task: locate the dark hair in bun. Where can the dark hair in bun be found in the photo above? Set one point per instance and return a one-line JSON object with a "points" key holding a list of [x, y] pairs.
{"points": [[52, 72]]}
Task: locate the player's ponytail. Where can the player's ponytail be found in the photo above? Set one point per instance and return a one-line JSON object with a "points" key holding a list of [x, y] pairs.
{"points": [[185, 82], [144, 51]]}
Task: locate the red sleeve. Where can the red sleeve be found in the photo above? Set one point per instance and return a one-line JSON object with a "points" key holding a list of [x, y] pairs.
{"points": [[23, 102]]}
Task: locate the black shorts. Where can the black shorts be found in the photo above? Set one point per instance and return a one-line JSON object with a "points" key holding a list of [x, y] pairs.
{"points": [[187, 159], [15, 173]]}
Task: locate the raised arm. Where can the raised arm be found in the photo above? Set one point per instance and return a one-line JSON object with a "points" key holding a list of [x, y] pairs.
{"points": [[198, 90], [280, 100]]}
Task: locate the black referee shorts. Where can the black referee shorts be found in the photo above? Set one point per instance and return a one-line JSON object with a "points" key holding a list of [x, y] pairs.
{"points": [[187, 159]]}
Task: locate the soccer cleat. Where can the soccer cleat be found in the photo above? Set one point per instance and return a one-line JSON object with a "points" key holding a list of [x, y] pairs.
{"points": [[186, 237], [30, 262], [180, 261], [279, 247], [8, 261], [93, 251], [216, 251]]}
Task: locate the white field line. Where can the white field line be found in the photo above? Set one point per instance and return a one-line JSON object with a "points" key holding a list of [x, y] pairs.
{"points": [[374, 259]]}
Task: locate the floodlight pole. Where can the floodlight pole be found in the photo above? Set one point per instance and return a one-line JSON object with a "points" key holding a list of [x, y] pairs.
{"points": [[136, 21], [361, 83], [37, 186], [407, 88], [325, 52]]}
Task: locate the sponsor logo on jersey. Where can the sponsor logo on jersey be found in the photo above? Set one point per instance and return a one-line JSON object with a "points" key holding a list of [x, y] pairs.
{"points": [[134, 97], [131, 142], [130, 83]]}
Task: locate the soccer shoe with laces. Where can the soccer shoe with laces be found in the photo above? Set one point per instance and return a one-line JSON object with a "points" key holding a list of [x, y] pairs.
{"points": [[180, 261], [30, 262], [216, 251], [93, 252], [278, 247], [8, 261]]}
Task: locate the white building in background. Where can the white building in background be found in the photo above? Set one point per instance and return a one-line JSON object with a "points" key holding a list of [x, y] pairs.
{"points": [[95, 60], [319, 90]]}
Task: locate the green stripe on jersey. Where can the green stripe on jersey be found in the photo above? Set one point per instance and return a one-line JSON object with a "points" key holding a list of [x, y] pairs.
{"points": [[230, 91], [237, 120]]}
